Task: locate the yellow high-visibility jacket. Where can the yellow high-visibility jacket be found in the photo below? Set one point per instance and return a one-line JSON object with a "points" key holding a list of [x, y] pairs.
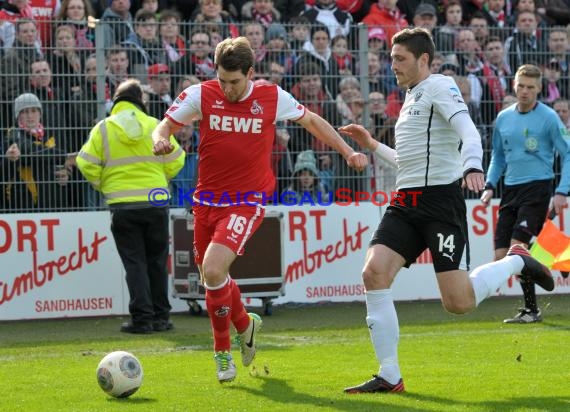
{"points": [[117, 158]]}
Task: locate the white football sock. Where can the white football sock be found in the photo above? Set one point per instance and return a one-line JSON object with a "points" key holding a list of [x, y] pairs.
{"points": [[384, 330], [487, 278]]}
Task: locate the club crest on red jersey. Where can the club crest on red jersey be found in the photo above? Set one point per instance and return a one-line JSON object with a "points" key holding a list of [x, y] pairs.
{"points": [[256, 108]]}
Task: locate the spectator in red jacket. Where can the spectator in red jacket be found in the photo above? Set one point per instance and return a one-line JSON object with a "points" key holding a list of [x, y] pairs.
{"points": [[386, 14]]}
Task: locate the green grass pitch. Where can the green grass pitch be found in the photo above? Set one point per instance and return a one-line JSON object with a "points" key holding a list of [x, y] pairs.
{"points": [[307, 355]]}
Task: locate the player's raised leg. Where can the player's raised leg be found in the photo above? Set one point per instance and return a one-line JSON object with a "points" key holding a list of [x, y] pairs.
{"points": [[246, 324]]}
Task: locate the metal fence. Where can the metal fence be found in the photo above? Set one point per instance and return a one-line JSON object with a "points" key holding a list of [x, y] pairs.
{"points": [[347, 79]]}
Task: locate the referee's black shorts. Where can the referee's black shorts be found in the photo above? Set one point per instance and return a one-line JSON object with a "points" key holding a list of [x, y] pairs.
{"points": [[437, 221], [522, 212]]}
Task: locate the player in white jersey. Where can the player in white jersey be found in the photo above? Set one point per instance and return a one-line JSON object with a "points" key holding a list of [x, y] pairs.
{"points": [[437, 149], [427, 111]]}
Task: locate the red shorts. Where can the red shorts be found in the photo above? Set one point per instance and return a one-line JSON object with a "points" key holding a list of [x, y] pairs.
{"points": [[230, 226]]}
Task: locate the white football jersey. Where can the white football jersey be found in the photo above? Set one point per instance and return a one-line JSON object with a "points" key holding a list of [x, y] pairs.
{"points": [[427, 147]]}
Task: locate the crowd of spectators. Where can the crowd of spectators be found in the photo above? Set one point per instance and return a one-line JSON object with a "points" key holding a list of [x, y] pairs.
{"points": [[48, 63]]}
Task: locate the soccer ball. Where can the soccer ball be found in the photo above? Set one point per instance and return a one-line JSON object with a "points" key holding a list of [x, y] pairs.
{"points": [[119, 374]]}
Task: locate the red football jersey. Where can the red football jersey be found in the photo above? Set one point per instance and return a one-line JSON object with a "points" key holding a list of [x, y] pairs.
{"points": [[236, 139]]}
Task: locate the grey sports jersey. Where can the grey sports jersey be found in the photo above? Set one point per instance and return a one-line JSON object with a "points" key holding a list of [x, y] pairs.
{"points": [[427, 146]]}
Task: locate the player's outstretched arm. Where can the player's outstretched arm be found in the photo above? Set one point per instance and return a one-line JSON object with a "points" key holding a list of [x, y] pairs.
{"points": [[361, 136], [323, 131], [161, 137]]}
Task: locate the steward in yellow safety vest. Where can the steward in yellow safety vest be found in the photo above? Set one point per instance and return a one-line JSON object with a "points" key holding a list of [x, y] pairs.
{"points": [[118, 158]]}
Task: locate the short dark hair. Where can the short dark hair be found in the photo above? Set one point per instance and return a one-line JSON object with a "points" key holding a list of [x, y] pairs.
{"points": [[298, 20], [557, 29], [234, 54], [39, 60], [131, 91], [477, 15], [248, 23], [451, 3], [519, 13], [21, 22], [492, 39], [199, 31], [115, 49], [318, 26], [62, 15], [309, 69], [561, 100], [169, 14], [338, 37], [417, 40], [143, 15]]}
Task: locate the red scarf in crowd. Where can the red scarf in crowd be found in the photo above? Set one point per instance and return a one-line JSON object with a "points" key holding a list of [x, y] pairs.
{"points": [[37, 132], [343, 62], [49, 90], [175, 51], [494, 84], [204, 68], [499, 17], [265, 19]]}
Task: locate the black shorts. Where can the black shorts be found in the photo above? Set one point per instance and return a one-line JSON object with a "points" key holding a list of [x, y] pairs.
{"points": [[522, 212], [438, 221]]}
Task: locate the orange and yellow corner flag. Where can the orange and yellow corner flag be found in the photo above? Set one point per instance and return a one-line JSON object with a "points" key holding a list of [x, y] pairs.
{"points": [[552, 247]]}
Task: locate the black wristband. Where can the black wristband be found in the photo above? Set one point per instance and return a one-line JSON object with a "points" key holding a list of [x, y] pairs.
{"points": [[489, 186], [472, 170], [561, 194]]}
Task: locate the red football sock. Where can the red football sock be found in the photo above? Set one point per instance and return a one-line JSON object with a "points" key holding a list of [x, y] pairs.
{"points": [[219, 306], [240, 318]]}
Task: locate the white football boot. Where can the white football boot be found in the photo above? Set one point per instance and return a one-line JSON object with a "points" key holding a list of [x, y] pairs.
{"points": [[247, 339]]}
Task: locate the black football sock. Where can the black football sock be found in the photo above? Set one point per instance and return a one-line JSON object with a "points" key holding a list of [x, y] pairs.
{"points": [[529, 296]]}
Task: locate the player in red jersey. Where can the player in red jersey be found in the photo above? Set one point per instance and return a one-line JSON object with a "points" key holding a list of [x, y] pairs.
{"points": [[237, 128]]}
